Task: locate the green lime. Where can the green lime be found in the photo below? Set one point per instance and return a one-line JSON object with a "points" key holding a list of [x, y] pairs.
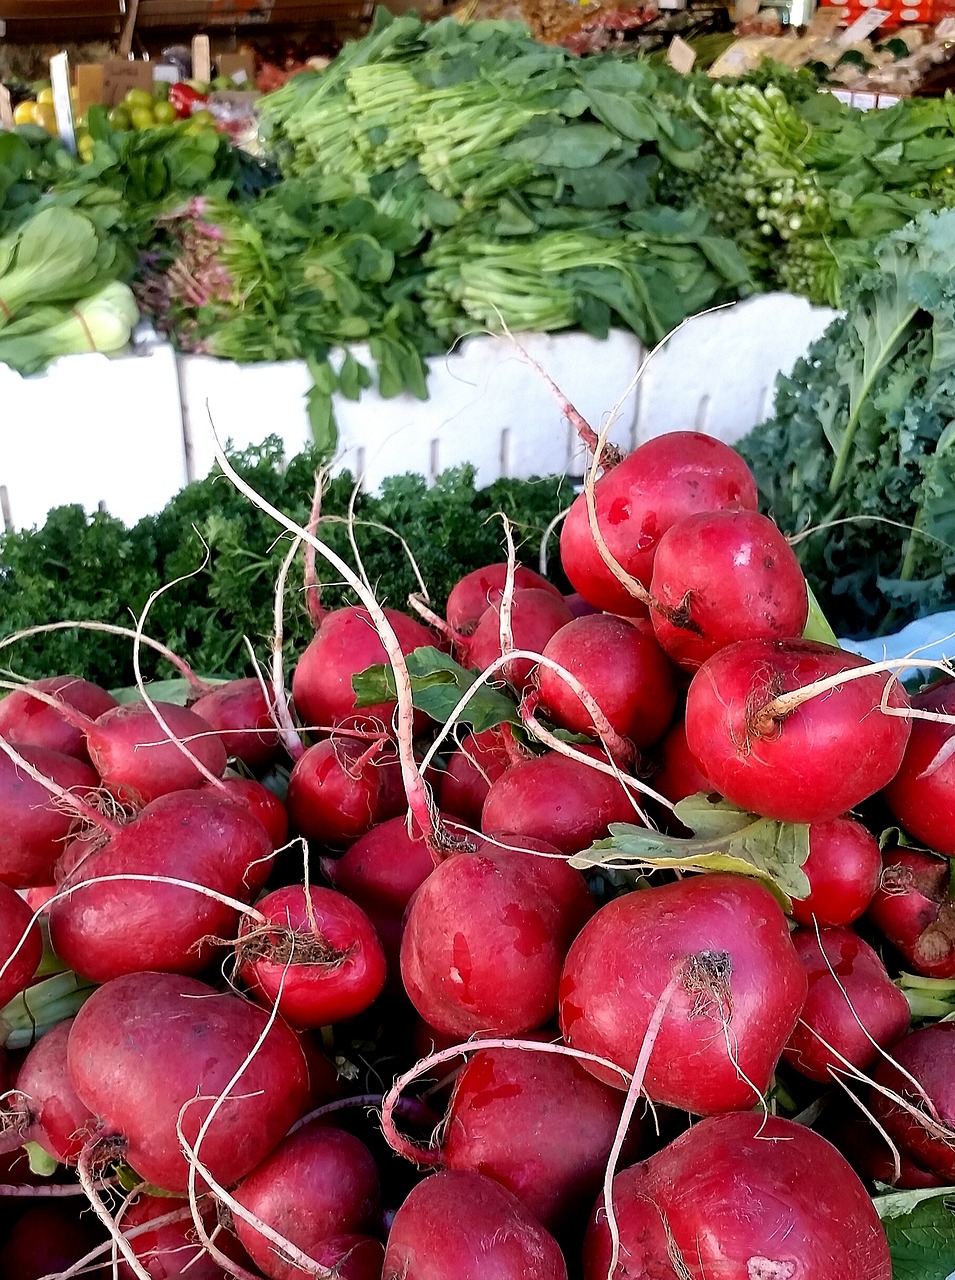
{"points": [[138, 98], [119, 119], [142, 118], [164, 113]]}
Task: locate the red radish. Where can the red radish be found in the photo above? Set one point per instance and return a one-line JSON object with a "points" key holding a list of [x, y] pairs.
{"points": [[874, 1160], [137, 759], [679, 775], [485, 937], [740, 990], [148, 1046], [554, 798], [535, 616], [539, 1124], [927, 1056], [323, 1082], [47, 1239], [345, 644], [34, 826], [323, 963], [723, 576], [16, 919], [621, 666], [33, 723], [58, 1121], [914, 908], [259, 800], [770, 747], [234, 709], [843, 867], [471, 597], [853, 1007], [462, 1225], [381, 872], [746, 1197], [172, 1251], [318, 1183], [578, 606], [478, 761], [665, 480], [921, 797], [341, 788], [104, 929]]}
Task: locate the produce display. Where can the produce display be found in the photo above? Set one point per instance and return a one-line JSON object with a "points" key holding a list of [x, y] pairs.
{"points": [[507, 884], [519, 938], [859, 467], [447, 178]]}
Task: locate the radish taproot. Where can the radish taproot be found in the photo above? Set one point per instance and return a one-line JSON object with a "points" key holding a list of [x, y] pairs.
{"points": [[103, 927], [151, 1051], [723, 576], [317, 1184], [661, 482], [467, 1226], [746, 1197], [779, 734], [31, 723], [739, 988], [486, 934], [318, 959], [853, 1008], [621, 666]]}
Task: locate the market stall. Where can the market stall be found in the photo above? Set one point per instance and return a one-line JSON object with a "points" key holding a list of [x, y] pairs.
{"points": [[443, 835]]}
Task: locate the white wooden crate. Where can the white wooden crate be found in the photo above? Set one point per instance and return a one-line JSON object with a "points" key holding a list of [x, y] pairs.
{"points": [[128, 432], [91, 430]]}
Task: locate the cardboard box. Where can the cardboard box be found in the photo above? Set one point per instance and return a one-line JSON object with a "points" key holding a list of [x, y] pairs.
{"points": [[122, 74]]}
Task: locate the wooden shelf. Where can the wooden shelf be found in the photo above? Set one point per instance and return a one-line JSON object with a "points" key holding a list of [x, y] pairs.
{"points": [[35, 20]]}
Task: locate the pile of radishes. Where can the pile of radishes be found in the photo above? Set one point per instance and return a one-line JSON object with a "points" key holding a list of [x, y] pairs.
{"points": [[413, 1041]]}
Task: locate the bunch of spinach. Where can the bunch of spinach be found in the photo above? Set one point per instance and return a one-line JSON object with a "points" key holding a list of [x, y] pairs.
{"points": [[859, 459], [84, 567]]}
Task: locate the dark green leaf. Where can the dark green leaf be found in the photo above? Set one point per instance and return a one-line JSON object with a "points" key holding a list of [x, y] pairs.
{"points": [[437, 683], [920, 1226]]}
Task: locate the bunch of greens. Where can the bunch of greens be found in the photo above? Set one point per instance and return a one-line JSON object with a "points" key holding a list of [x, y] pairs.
{"points": [[60, 290], [805, 184], [440, 179], [859, 459], [94, 568]]}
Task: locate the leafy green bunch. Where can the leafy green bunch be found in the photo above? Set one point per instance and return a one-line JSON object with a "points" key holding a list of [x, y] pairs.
{"points": [[859, 459], [94, 568]]}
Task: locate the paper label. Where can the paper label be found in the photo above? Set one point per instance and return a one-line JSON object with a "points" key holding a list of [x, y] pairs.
{"points": [[680, 56], [863, 26], [824, 22], [89, 86], [63, 100], [201, 59], [122, 74], [6, 109]]}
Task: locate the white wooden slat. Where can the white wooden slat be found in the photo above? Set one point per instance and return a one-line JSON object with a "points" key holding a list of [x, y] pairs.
{"points": [[92, 430]]}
